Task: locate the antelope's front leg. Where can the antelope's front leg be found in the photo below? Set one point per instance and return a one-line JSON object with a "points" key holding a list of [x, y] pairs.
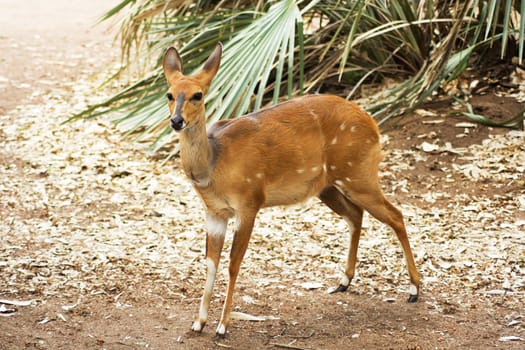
{"points": [[240, 243], [216, 230]]}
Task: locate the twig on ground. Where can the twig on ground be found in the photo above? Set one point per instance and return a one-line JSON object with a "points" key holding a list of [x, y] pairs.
{"points": [[289, 346]]}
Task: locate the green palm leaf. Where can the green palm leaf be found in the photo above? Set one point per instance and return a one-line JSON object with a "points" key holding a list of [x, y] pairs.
{"points": [[284, 47]]}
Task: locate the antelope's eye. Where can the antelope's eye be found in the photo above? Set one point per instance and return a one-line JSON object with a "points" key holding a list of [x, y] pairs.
{"points": [[197, 96], [169, 96]]}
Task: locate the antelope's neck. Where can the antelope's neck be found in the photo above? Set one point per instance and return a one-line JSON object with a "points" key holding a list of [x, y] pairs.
{"points": [[197, 154]]}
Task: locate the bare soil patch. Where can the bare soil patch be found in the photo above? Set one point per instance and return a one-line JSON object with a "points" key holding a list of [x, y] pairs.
{"points": [[102, 246]]}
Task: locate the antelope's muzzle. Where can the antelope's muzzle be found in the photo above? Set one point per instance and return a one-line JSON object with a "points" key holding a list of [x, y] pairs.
{"points": [[177, 122]]}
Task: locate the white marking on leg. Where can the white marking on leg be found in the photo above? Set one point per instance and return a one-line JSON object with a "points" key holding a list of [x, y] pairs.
{"points": [[201, 182], [221, 329], [238, 223], [345, 281], [324, 167], [196, 326], [208, 288], [350, 223], [215, 225], [413, 289], [205, 300]]}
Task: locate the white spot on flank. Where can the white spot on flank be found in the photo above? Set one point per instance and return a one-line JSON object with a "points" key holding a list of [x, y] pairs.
{"points": [[348, 179], [259, 175], [216, 226], [324, 168], [248, 180], [333, 167], [339, 182], [353, 128], [315, 168], [342, 127], [349, 163], [313, 114], [300, 171], [368, 141], [334, 140]]}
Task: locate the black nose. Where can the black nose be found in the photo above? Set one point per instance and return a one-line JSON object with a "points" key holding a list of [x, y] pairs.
{"points": [[177, 123]]}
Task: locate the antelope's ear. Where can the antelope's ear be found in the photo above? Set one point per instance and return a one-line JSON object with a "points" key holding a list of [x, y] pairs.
{"points": [[172, 63], [211, 66]]}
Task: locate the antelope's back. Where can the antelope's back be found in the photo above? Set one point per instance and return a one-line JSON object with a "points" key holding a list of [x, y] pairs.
{"points": [[295, 149]]}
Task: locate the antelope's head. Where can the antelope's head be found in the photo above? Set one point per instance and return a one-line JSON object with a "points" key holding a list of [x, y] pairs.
{"points": [[186, 93]]}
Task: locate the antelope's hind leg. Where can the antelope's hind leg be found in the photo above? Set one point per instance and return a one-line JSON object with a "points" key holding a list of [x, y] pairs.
{"points": [[379, 207], [353, 215]]}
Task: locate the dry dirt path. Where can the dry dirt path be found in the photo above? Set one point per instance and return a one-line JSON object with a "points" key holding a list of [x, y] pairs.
{"points": [[103, 245], [46, 44]]}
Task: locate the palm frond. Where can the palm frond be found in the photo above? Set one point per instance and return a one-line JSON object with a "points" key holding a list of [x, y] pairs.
{"points": [[286, 47], [257, 52]]}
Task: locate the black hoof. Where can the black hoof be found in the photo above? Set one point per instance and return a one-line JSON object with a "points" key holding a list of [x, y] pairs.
{"points": [[412, 298], [339, 289], [220, 336]]}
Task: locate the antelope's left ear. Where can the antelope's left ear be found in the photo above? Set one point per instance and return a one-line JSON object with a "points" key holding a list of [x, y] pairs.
{"points": [[210, 68]]}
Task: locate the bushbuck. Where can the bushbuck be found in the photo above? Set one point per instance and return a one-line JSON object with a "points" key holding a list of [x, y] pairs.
{"points": [[315, 145]]}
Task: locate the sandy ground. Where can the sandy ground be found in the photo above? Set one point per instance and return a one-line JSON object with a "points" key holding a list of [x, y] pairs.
{"points": [[107, 243], [45, 44]]}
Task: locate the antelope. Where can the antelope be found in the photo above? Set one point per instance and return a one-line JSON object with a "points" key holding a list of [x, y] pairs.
{"points": [[315, 145]]}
